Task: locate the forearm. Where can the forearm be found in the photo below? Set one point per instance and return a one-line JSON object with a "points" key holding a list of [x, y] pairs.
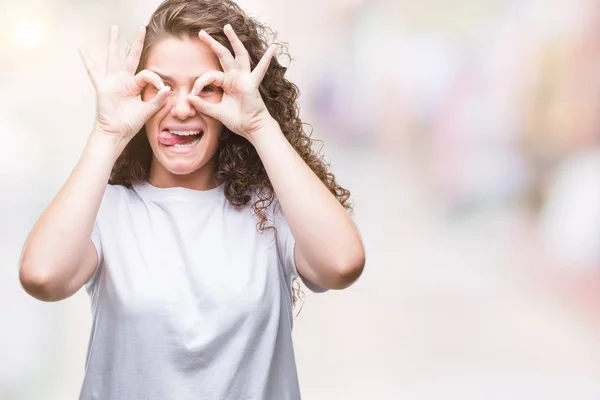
{"points": [[56, 245], [324, 232]]}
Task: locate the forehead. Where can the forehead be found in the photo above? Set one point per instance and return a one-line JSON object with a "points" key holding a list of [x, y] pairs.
{"points": [[182, 58]]}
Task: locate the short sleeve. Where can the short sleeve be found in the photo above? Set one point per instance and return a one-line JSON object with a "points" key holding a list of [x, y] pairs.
{"points": [[98, 245], [96, 236], [285, 247], [97, 242]]}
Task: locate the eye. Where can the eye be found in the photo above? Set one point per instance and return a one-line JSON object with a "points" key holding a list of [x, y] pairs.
{"points": [[210, 90]]}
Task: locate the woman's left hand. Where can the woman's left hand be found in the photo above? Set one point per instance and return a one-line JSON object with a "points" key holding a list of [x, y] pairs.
{"points": [[241, 109]]}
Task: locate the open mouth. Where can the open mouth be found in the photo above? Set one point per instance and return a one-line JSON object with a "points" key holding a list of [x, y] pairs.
{"points": [[179, 139]]}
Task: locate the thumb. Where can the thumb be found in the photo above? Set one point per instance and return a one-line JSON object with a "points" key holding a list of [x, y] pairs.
{"points": [[150, 108], [206, 107]]}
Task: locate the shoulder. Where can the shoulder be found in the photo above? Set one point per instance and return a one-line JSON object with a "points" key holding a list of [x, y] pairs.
{"points": [[116, 192], [270, 207], [114, 195]]}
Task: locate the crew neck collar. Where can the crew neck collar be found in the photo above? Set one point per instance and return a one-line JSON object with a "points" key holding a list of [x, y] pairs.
{"points": [[177, 193]]}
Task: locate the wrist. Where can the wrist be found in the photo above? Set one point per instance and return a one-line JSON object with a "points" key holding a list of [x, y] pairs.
{"points": [[104, 145], [268, 129]]}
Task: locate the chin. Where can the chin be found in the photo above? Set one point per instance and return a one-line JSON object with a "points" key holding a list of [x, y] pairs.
{"points": [[179, 164], [183, 168]]}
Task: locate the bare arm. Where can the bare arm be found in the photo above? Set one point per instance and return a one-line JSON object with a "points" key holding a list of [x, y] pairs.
{"points": [[58, 256], [329, 250]]}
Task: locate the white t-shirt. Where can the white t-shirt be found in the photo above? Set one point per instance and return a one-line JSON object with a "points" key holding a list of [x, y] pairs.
{"points": [[189, 300]]}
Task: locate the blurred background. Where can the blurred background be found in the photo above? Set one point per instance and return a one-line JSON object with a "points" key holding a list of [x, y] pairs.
{"points": [[468, 132]]}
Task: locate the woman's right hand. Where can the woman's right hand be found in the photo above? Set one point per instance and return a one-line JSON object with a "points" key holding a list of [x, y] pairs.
{"points": [[120, 110]]}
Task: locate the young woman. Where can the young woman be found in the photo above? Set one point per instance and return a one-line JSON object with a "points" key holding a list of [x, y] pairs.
{"points": [[198, 200]]}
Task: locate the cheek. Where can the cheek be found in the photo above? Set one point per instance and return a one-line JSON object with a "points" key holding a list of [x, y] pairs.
{"points": [[151, 125], [148, 93], [216, 98], [214, 125]]}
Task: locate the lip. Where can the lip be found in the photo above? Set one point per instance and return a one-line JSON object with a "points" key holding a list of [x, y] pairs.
{"points": [[183, 128], [181, 150]]}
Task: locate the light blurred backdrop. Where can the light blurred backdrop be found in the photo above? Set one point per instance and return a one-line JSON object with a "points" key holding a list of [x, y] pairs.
{"points": [[469, 134]]}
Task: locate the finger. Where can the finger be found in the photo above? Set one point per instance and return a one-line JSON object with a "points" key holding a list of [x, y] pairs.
{"points": [[91, 69], [205, 106], [241, 54], [208, 78], [112, 59], [152, 106], [145, 78], [225, 57], [263, 65], [133, 58]]}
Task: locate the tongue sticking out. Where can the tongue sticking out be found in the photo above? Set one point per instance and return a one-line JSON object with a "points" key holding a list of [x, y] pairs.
{"points": [[169, 139]]}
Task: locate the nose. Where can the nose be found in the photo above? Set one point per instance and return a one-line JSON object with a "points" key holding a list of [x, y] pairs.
{"points": [[182, 108]]}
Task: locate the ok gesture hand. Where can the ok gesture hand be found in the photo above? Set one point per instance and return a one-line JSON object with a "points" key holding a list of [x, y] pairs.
{"points": [[120, 109], [241, 109]]}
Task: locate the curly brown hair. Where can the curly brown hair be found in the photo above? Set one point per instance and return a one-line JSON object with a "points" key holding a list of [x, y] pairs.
{"points": [[238, 165]]}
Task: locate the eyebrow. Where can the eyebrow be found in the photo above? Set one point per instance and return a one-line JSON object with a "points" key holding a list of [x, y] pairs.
{"points": [[167, 78]]}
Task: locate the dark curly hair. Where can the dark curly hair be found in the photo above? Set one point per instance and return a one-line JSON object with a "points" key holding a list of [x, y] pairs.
{"points": [[238, 165]]}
